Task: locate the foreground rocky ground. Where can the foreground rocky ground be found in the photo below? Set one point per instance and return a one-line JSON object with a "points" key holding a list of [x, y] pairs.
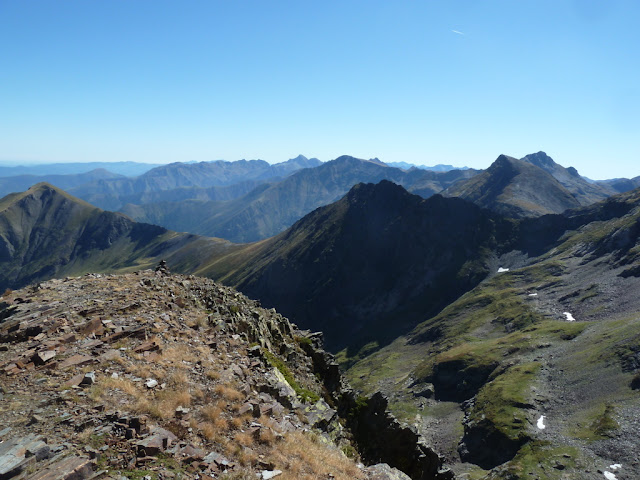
{"points": [[155, 376]]}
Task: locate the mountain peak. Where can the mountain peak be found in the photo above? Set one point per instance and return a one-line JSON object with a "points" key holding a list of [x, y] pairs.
{"points": [[573, 172], [349, 158], [503, 161], [515, 188], [540, 159]]}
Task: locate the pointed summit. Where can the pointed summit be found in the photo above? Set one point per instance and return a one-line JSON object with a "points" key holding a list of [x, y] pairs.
{"points": [[383, 233], [583, 191], [515, 188]]}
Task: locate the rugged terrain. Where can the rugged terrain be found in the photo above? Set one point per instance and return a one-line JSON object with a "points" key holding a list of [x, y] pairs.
{"points": [[159, 376], [272, 207], [515, 188], [481, 330], [533, 373], [370, 266]]}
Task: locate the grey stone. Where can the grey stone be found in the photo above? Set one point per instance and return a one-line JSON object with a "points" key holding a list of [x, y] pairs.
{"points": [[89, 378]]}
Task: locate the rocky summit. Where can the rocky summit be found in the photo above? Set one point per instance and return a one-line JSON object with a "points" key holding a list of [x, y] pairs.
{"points": [[159, 376]]}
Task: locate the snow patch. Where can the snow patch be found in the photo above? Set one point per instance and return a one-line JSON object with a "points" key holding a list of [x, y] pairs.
{"points": [[500, 270], [533, 294], [569, 317], [541, 424], [615, 466], [610, 476]]}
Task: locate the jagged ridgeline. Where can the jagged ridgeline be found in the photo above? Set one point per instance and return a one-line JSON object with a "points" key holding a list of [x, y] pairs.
{"points": [[151, 374]]}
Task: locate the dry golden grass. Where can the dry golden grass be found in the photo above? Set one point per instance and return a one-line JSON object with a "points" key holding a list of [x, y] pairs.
{"points": [[177, 379], [266, 421], [144, 406], [208, 431], [244, 439], [122, 384], [211, 412], [198, 394], [229, 393], [176, 354], [204, 352], [140, 370], [245, 456], [236, 423], [221, 424], [164, 404], [213, 435], [266, 436], [303, 456]]}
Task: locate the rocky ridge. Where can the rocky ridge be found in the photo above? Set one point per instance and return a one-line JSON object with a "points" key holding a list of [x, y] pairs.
{"points": [[157, 376]]}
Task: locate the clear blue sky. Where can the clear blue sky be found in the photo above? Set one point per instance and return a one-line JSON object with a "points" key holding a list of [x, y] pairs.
{"points": [[426, 82]]}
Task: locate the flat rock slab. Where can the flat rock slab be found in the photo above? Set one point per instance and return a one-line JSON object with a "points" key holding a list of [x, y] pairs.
{"points": [[75, 360], [69, 468], [382, 471], [17, 453], [43, 357], [159, 440]]}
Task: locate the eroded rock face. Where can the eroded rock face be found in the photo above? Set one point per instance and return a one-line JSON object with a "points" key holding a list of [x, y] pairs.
{"points": [[380, 437], [174, 374]]}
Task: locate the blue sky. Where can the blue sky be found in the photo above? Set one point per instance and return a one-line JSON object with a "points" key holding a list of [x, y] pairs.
{"points": [[425, 82]]}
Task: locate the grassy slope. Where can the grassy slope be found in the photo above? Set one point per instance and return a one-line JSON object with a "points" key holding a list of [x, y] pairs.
{"points": [[528, 350], [47, 233]]}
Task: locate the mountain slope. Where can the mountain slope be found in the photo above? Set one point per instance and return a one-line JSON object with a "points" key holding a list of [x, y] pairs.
{"points": [[44, 232], [271, 208], [542, 358], [515, 188], [163, 376], [369, 266], [114, 194], [583, 191], [620, 185]]}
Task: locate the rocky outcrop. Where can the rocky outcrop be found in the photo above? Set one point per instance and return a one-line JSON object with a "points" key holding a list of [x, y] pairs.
{"points": [[179, 375], [380, 437]]}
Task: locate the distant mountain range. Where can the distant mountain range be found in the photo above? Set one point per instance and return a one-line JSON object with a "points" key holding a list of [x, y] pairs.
{"points": [[129, 169], [212, 175], [272, 207], [22, 182], [436, 168], [245, 201]]}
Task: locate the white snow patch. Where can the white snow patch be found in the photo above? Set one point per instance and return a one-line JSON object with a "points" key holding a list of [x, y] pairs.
{"points": [[569, 317], [610, 476], [500, 270], [533, 294], [615, 466], [541, 424]]}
